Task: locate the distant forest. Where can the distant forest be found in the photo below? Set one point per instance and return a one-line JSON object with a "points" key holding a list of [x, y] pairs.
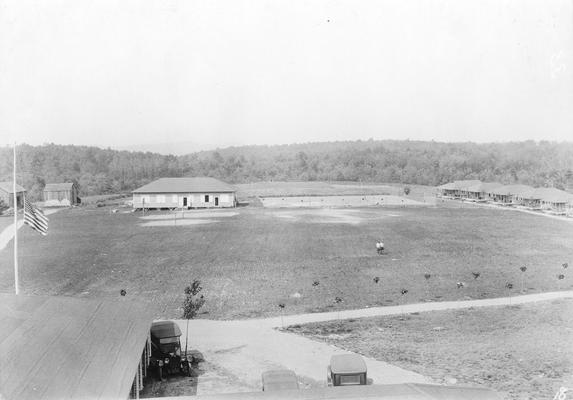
{"points": [[105, 171]]}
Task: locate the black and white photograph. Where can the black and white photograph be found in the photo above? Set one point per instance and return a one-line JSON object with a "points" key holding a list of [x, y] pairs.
{"points": [[272, 199]]}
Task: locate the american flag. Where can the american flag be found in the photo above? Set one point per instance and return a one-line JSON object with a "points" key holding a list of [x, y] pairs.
{"points": [[35, 218]]}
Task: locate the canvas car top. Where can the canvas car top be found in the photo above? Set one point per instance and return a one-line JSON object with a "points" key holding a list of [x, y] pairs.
{"points": [[347, 364], [164, 329]]}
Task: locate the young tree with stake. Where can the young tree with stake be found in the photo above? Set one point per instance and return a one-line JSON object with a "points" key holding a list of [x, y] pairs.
{"points": [[191, 305]]}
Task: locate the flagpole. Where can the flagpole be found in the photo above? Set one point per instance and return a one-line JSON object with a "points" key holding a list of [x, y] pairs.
{"points": [[16, 283]]}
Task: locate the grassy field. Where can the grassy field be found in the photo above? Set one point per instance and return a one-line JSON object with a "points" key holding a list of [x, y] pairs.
{"points": [[250, 262], [247, 192], [524, 351], [6, 221]]}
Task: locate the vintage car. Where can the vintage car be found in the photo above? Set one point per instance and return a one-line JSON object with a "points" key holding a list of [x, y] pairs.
{"points": [[166, 350], [283, 379], [346, 369]]}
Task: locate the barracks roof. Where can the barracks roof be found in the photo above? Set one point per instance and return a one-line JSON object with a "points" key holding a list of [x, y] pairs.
{"points": [[519, 190], [8, 188], [551, 195], [69, 348], [54, 187], [484, 187], [186, 185]]}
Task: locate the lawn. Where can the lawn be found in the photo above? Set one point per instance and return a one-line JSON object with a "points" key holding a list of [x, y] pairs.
{"points": [[250, 262], [524, 351]]}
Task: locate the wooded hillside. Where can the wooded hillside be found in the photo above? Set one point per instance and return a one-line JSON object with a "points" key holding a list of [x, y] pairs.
{"points": [[102, 171]]}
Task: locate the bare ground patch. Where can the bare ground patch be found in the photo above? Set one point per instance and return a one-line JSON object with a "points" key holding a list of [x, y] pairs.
{"points": [[324, 216], [339, 201], [179, 222], [523, 350], [190, 215]]}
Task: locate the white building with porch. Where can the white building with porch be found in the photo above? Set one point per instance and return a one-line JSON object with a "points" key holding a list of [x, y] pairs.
{"points": [[185, 193]]}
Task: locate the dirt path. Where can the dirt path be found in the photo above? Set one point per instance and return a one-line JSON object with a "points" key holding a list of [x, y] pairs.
{"points": [[8, 233], [241, 350]]}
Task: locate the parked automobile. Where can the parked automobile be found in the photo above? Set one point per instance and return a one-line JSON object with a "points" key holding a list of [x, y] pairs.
{"points": [[346, 369], [283, 379], [166, 350]]}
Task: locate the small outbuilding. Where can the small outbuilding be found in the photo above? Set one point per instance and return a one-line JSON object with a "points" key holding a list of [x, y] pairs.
{"points": [[7, 194], [61, 195], [70, 348], [185, 193]]}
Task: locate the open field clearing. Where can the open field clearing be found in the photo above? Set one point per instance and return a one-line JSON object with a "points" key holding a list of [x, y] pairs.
{"points": [[304, 259], [312, 189], [246, 192], [522, 350], [338, 201]]}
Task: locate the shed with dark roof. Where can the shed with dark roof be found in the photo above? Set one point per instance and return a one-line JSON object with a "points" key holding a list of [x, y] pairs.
{"points": [[61, 194], [187, 193], [7, 194]]}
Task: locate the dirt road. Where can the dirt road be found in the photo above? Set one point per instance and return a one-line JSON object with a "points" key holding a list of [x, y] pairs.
{"points": [[241, 350]]}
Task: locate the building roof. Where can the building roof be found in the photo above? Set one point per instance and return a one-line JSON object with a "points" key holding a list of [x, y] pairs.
{"points": [[447, 186], [186, 185], [8, 187], [552, 195], [484, 187], [63, 347], [519, 190], [466, 184], [54, 187]]}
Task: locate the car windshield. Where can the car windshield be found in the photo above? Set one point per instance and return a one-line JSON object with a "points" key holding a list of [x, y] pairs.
{"points": [[169, 345]]}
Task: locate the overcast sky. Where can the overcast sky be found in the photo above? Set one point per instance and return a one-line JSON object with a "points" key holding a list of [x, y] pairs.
{"points": [[227, 72]]}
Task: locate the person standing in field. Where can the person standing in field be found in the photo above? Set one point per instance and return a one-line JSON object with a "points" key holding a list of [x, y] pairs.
{"points": [[380, 246]]}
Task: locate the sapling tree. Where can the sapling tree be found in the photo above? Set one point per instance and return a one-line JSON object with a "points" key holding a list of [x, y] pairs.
{"points": [[403, 292], [338, 300], [560, 277], [282, 307], [191, 304], [522, 269], [427, 276], [509, 286]]}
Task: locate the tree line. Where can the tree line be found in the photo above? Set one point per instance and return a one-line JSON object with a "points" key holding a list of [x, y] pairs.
{"points": [[105, 171]]}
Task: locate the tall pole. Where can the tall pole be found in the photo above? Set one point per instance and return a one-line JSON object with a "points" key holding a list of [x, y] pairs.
{"points": [[16, 283]]}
